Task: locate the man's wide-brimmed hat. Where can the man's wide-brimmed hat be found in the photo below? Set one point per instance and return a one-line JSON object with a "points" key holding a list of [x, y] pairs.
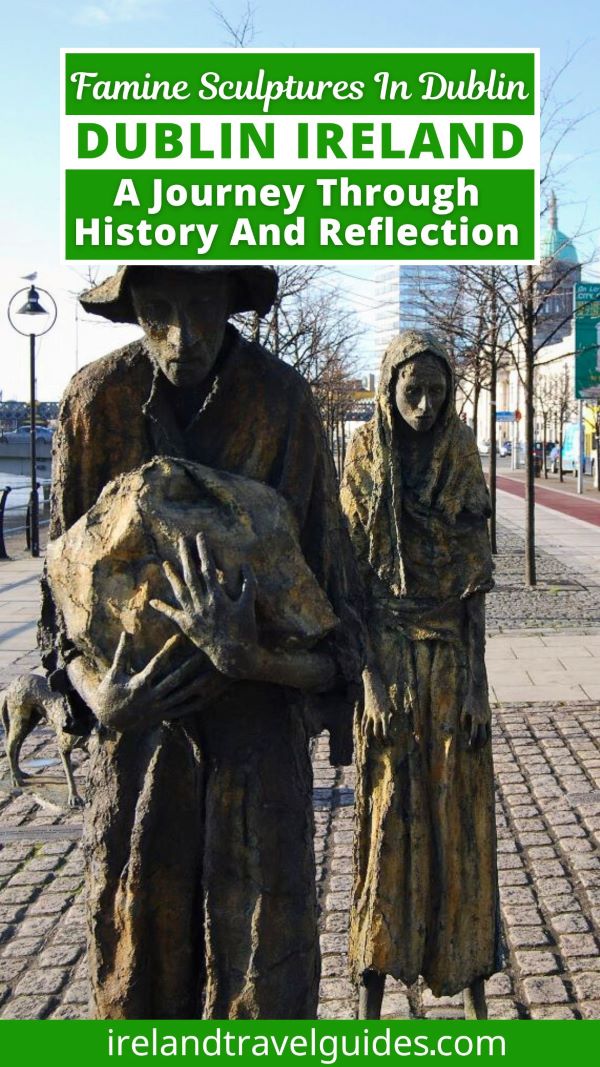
{"points": [[255, 290]]}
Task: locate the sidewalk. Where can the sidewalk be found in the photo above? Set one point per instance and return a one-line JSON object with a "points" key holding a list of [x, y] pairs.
{"points": [[546, 684], [536, 669], [19, 610], [546, 666], [572, 541]]}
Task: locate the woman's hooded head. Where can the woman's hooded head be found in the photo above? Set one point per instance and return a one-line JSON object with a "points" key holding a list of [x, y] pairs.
{"points": [[414, 347]]}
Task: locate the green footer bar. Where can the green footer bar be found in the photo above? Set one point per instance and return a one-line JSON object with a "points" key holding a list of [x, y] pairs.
{"points": [[325, 1042]]}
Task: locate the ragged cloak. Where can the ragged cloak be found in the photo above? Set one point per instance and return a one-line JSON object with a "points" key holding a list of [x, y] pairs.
{"points": [[425, 898], [199, 833]]}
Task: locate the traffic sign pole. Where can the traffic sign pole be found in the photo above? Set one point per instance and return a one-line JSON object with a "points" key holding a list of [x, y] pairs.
{"points": [[581, 462]]}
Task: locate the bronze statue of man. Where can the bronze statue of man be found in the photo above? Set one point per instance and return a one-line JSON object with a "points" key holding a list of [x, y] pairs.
{"points": [[199, 828], [425, 896]]}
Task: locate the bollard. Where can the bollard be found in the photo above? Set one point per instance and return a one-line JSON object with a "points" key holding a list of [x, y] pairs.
{"points": [[5, 492]]}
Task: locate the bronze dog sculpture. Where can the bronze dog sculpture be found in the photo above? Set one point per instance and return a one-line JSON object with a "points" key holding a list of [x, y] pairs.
{"points": [[27, 701]]}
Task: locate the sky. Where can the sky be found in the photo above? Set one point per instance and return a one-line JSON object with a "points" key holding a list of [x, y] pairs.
{"points": [[34, 31]]}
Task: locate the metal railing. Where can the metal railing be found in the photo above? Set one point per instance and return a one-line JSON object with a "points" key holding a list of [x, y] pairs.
{"points": [[15, 519]]}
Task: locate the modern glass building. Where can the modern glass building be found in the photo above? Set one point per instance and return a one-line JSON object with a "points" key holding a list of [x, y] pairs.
{"points": [[404, 296]]}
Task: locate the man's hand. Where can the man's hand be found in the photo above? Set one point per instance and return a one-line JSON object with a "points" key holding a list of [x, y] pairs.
{"points": [[125, 701], [474, 718], [223, 627]]}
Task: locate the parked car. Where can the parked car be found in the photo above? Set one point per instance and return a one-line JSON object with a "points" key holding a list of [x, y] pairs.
{"points": [[484, 448], [41, 432], [505, 448]]}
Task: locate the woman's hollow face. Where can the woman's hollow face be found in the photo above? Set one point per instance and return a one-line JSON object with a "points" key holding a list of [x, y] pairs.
{"points": [[421, 390]]}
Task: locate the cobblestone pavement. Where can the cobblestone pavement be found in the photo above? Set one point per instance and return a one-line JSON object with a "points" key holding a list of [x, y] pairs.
{"points": [[548, 804], [548, 814], [547, 759], [561, 599]]}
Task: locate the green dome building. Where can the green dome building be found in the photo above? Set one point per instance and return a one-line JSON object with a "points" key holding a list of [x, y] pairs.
{"points": [[560, 269]]}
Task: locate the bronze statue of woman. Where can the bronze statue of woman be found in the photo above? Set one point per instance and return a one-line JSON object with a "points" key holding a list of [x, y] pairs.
{"points": [[425, 896]]}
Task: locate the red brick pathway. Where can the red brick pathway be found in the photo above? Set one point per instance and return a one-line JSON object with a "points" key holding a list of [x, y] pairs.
{"points": [[567, 503]]}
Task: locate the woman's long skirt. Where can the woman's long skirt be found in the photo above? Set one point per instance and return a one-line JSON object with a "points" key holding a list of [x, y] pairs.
{"points": [[425, 891]]}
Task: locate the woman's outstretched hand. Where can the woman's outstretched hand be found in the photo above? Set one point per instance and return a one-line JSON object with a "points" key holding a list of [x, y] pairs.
{"points": [[475, 713], [377, 711]]}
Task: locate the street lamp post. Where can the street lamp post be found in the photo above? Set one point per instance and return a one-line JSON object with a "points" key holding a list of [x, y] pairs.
{"points": [[32, 320]]}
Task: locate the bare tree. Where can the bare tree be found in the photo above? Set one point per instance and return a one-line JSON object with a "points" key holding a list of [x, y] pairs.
{"points": [[310, 329], [563, 408], [318, 336], [334, 393], [529, 285], [242, 32], [521, 301], [470, 314], [444, 307], [294, 282], [544, 407], [526, 293]]}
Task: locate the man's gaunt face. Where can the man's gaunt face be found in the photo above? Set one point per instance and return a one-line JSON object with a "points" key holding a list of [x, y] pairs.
{"points": [[421, 391], [184, 318]]}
